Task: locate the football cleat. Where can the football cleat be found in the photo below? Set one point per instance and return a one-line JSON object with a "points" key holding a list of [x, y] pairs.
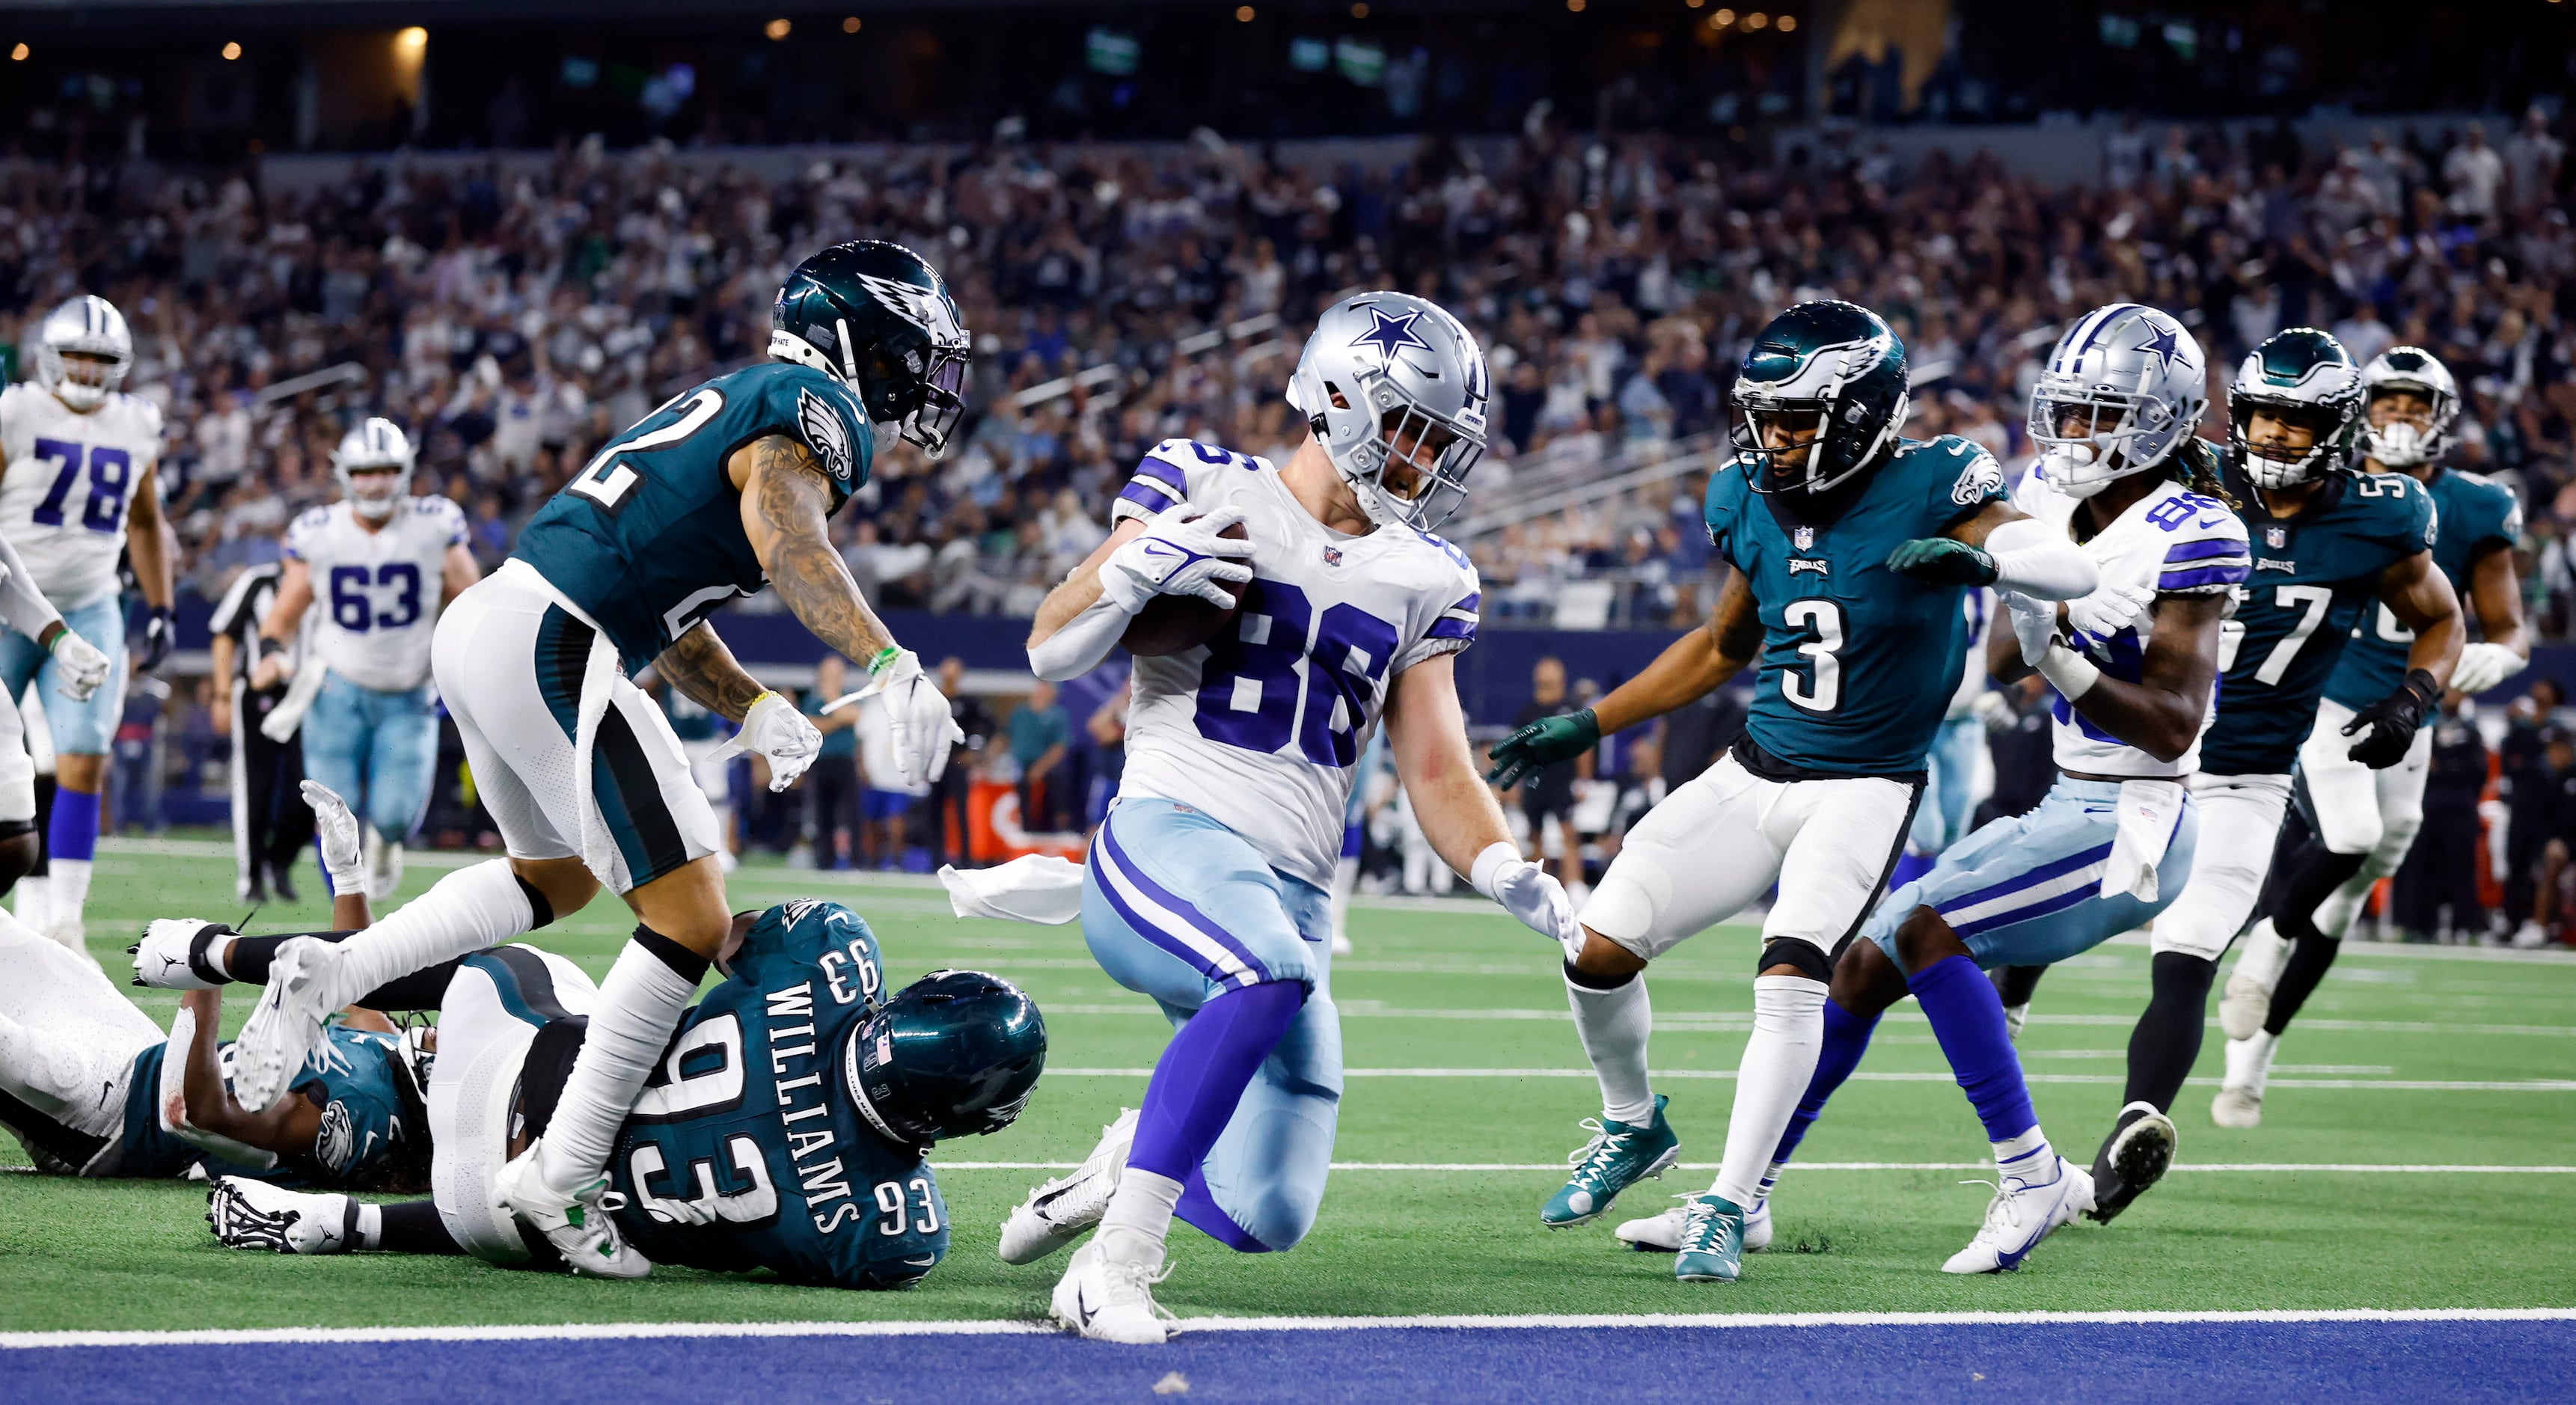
{"points": [[2021, 1215], [249, 1214], [577, 1222], [2247, 1001], [1662, 1234], [2135, 1156], [2238, 1109], [173, 955], [285, 1027], [1059, 1210], [1712, 1247], [1617, 1157], [1111, 1299]]}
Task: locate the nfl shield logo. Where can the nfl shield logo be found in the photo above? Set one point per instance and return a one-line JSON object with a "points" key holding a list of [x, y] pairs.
{"points": [[1332, 555], [1804, 537], [2276, 537]]}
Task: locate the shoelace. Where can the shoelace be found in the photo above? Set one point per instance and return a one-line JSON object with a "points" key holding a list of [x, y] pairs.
{"points": [[1134, 1283], [1699, 1226], [2005, 1207], [1592, 1160]]}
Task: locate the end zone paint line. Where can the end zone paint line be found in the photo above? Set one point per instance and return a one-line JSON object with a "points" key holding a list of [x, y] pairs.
{"points": [[2289, 1168], [2401, 1085], [616, 1331]]}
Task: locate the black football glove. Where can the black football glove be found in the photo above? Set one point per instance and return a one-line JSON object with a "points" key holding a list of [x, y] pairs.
{"points": [[2392, 721], [158, 636], [1542, 744], [1942, 561]]}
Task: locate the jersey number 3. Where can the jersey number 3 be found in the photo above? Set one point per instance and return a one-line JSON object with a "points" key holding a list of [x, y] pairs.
{"points": [[111, 472], [1820, 687]]}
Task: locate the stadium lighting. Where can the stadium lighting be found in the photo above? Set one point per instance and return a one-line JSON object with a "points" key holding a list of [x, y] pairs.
{"points": [[1756, 20], [850, 25], [1788, 23], [1360, 11], [776, 29], [1243, 14], [1694, 4], [1721, 19], [1574, 6], [18, 54], [231, 50], [411, 41]]}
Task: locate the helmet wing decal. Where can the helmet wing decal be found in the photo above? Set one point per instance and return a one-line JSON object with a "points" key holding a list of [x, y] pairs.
{"points": [[923, 307]]}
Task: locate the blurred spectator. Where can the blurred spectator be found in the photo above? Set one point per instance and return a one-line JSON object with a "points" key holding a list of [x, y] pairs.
{"points": [[1040, 729], [887, 800], [832, 784], [1549, 794], [2530, 793], [2023, 745], [950, 834], [2436, 891]]}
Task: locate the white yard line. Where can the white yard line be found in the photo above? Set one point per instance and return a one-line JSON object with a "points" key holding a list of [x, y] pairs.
{"points": [[2408, 1085], [1559, 1167]]}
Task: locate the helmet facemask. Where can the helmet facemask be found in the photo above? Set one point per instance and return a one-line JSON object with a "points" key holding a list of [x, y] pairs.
{"points": [[1787, 443], [2408, 440], [2286, 467], [373, 465], [1413, 471], [81, 377], [2094, 434]]}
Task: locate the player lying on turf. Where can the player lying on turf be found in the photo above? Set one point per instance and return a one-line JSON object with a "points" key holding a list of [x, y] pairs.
{"points": [[2361, 822], [784, 1128], [2111, 845], [1852, 548], [721, 492], [1207, 886], [93, 1087]]}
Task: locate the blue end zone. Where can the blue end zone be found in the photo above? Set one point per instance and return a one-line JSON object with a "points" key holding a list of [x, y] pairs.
{"points": [[2338, 1361]]}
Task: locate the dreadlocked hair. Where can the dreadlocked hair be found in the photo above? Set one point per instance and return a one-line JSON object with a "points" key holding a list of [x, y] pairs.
{"points": [[2195, 464]]}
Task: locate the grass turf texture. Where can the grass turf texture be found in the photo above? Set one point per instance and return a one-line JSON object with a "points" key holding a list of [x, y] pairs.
{"points": [[1466, 987]]}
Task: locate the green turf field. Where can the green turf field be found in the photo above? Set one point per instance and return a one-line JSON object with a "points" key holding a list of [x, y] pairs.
{"points": [[1434, 991]]}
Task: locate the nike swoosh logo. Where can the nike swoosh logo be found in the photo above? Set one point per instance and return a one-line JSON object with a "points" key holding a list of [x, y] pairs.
{"points": [[926, 1261], [1153, 548], [1081, 1308]]}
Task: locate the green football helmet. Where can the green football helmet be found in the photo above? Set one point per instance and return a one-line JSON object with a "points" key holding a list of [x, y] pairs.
{"points": [[954, 1054], [1833, 372], [2302, 377], [878, 317]]}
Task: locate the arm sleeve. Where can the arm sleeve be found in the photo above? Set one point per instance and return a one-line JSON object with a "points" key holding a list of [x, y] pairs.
{"points": [[21, 604], [1084, 641], [2034, 561]]}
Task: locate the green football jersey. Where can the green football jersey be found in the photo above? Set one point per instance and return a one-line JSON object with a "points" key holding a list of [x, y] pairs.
{"points": [[2477, 515], [1858, 663], [747, 1149], [648, 540], [2314, 573]]}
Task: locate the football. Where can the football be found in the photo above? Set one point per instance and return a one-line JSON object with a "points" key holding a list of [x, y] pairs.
{"points": [[1172, 624]]}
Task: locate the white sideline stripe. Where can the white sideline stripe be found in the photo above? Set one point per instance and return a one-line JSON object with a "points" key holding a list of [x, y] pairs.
{"points": [[1716, 1023], [2403, 1085], [628, 1331], [2246, 1167]]}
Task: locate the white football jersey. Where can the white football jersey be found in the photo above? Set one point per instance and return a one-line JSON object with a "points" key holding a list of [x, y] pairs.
{"points": [[1262, 728], [69, 480], [376, 594], [2185, 544]]}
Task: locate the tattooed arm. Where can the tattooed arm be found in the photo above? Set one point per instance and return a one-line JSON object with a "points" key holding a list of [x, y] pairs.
{"points": [[786, 502], [699, 664]]}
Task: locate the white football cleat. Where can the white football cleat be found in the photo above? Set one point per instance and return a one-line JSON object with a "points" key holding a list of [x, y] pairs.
{"points": [[72, 936], [166, 957], [1058, 1211], [1112, 1299], [1662, 1234], [384, 867], [2239, 1103], [2021, 1215], [2237, 1108], [285, 1027], [1341, 944], [577, 1222], [2248, 998], [250, 1214], [2530, 936]]}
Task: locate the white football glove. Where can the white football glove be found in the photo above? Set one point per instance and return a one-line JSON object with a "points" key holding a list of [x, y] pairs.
{"points": [[1176, 557], [84, 668], [343, 843], [1528, 892], [1995, 711], [776, 730], [2034, 624], [2482, 666], [2112, 607], [924, 731]]}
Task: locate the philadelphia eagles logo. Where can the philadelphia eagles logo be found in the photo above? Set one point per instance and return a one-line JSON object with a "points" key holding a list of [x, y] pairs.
{"points": [[1981, 479], [333, 1145], [825, 433], [926, 308]]}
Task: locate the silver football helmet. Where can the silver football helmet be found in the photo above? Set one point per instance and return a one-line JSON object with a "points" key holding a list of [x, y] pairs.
{"points": [[83, 350], [2403, 443], [2124, 388], [377, 444], [1392, 375]]}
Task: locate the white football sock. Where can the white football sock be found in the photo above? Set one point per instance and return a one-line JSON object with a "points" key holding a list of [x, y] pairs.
{"points": [[477, 906], [1346, 879], [67, 891], [1770, 1179], [2249, 1061], [639, 1006], [1779, 1062], [2028, 1157], [1613, 1025], [1139, 1216], [2336, 914], [2263, 956]]}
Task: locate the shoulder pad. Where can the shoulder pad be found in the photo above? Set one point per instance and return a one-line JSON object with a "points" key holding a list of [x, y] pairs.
{"points": [[1190, 453], [1456, 557], [1979, 478]]}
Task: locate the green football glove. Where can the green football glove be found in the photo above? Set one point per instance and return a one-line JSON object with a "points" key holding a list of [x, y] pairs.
{"points": [[1941, 561], [1542, 744]]}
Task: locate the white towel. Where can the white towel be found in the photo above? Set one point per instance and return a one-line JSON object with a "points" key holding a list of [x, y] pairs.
{"points": [[1036, 888], [599, 679], [283, 719], [2149, 813]]}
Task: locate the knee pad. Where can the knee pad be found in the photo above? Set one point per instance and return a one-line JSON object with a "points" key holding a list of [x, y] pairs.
{"points": [[1795, 951], [1620, 908]]}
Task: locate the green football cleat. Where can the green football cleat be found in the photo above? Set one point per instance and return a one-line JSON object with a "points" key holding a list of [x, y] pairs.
{"points": [[1617, 1157], [1712, 1242]]}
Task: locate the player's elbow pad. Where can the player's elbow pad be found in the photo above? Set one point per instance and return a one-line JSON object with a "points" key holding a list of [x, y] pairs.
{"points": [[1079, 647], [2039, 563]]}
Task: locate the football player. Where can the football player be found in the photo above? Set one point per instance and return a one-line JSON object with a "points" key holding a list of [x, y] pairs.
{"points": [[77, 464], [1950, 768], [1207, 885], [93, 1088], [784, 1129], [1852, 547], [2363, 822], [2326, 541], [727, 487], [2111, 845], [371, 733]]}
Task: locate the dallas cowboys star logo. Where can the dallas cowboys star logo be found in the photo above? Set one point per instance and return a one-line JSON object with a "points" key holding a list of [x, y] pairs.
{"points": [[2163, 343], [1391, 334]]}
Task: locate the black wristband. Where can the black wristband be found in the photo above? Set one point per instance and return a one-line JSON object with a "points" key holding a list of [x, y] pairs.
{"points": [[2426, 691]]}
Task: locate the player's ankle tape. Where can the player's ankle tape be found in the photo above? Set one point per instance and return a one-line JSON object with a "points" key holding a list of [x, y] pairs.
{"points": [[1588, 981], [684, 963]]}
